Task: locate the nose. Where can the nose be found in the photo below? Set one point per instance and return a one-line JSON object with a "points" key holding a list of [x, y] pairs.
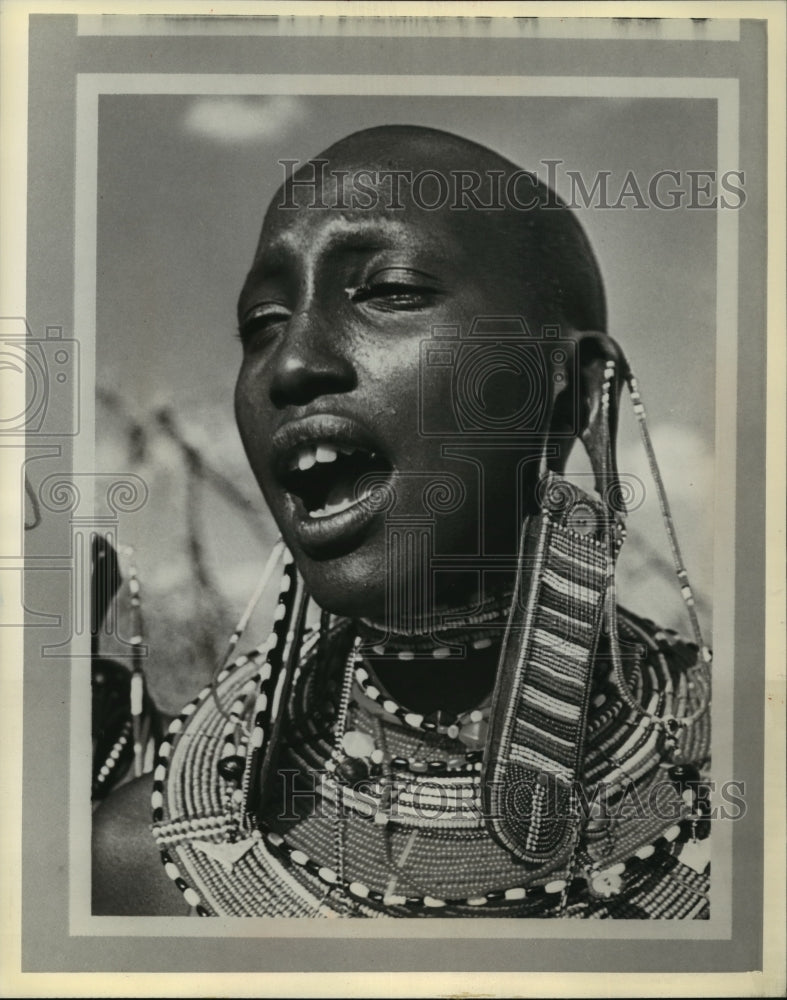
{"points": [[311, 361]]}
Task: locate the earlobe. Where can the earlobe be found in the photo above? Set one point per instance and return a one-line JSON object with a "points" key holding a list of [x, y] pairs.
{"points": [[586, 408]]}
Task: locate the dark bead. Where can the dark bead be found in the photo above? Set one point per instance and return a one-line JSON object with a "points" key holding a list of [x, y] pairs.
{"points": [[439, 719], [414, 901], [437, 767], [702, 829], [158, 815], [474, 756], [181, 884], [352, 770], [375, 897], [202, 912], [496, 894], [311, 866], [399, 763], [166, 858], [684, 774], [231, 768]]}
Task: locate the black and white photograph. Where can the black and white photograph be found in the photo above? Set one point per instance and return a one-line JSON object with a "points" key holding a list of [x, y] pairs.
{"points": [[388, 426]]}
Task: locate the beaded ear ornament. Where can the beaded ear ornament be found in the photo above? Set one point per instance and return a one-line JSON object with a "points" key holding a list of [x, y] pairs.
{"points": [[125, 725], [565, 596]]}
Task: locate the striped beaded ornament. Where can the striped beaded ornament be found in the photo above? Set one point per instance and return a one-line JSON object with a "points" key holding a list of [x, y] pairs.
{"points": [[535, 751]]}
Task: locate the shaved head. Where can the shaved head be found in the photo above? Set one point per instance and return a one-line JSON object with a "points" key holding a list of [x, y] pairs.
{"points": [[509, 212]]}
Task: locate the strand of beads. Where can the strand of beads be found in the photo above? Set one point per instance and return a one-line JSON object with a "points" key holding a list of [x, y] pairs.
{"points": [[275, 647], [469, 727], [669, 524]]}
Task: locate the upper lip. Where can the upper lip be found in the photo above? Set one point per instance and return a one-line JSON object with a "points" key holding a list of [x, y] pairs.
{"points": [[319, 428]]}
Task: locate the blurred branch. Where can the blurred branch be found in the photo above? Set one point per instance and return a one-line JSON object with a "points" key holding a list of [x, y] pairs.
{"points": [[652, 559]]}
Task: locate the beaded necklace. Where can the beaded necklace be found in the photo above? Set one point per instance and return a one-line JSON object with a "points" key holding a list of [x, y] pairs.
{"points": [[253, 850]]}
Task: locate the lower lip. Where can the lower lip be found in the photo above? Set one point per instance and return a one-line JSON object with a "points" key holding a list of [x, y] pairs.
{"points": [[335, 534]]}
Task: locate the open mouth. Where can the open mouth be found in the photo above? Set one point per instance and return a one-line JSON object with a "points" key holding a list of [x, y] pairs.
{"points": [[329, 478]]}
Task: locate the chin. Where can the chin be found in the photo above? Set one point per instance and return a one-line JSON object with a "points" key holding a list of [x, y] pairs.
{"points": [[352, 585]]}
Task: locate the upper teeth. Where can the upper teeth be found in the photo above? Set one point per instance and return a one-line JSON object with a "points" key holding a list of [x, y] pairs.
{"points": [[307, 455]]}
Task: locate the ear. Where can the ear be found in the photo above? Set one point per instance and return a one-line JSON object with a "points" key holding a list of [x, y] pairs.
{"points": [[577, 410]]}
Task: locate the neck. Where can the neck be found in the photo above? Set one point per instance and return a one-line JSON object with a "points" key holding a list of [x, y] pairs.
{"points": [[427, 685]]}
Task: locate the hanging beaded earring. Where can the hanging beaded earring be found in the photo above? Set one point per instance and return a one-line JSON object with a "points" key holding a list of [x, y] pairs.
{"points": [[670, 724], [126, 724], [535, 747]]}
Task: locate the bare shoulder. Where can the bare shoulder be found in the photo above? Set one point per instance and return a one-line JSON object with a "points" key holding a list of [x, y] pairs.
{"points": [[128, 878]]}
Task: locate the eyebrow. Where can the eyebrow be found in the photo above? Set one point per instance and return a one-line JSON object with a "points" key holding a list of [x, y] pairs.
{"points": [[359, 237]]}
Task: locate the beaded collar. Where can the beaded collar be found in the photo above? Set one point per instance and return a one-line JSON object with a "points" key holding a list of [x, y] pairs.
{"points": [[225, 867]]}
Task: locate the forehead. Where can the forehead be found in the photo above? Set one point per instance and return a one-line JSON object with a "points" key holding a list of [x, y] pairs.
{"points": [[356, 207]]}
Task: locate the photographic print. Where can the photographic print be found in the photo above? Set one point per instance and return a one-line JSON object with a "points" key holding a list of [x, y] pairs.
{"points": [[391, 392]]}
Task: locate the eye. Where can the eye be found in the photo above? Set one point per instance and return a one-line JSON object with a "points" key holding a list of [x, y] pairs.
{"points": [[397, 290], [261, 322]]}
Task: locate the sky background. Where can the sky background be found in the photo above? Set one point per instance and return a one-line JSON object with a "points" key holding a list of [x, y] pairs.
{"points": [[183, 185]]}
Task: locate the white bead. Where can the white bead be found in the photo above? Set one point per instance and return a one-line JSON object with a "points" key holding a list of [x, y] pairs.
{"points": [[518, 893], [358, 889], [414, 720], [390, 900], [390, 706], [175, 726], [482, 644], [441, 652], [557, 885], [276, 839], [171, 870], [299, 857], [372, 692], [645, 852], [406, 654], [357, 744], [328, 875], [164, 750], [477, 901], [191, 897], [432, 901], [156, 800], [672, 833], [256, 738]]}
